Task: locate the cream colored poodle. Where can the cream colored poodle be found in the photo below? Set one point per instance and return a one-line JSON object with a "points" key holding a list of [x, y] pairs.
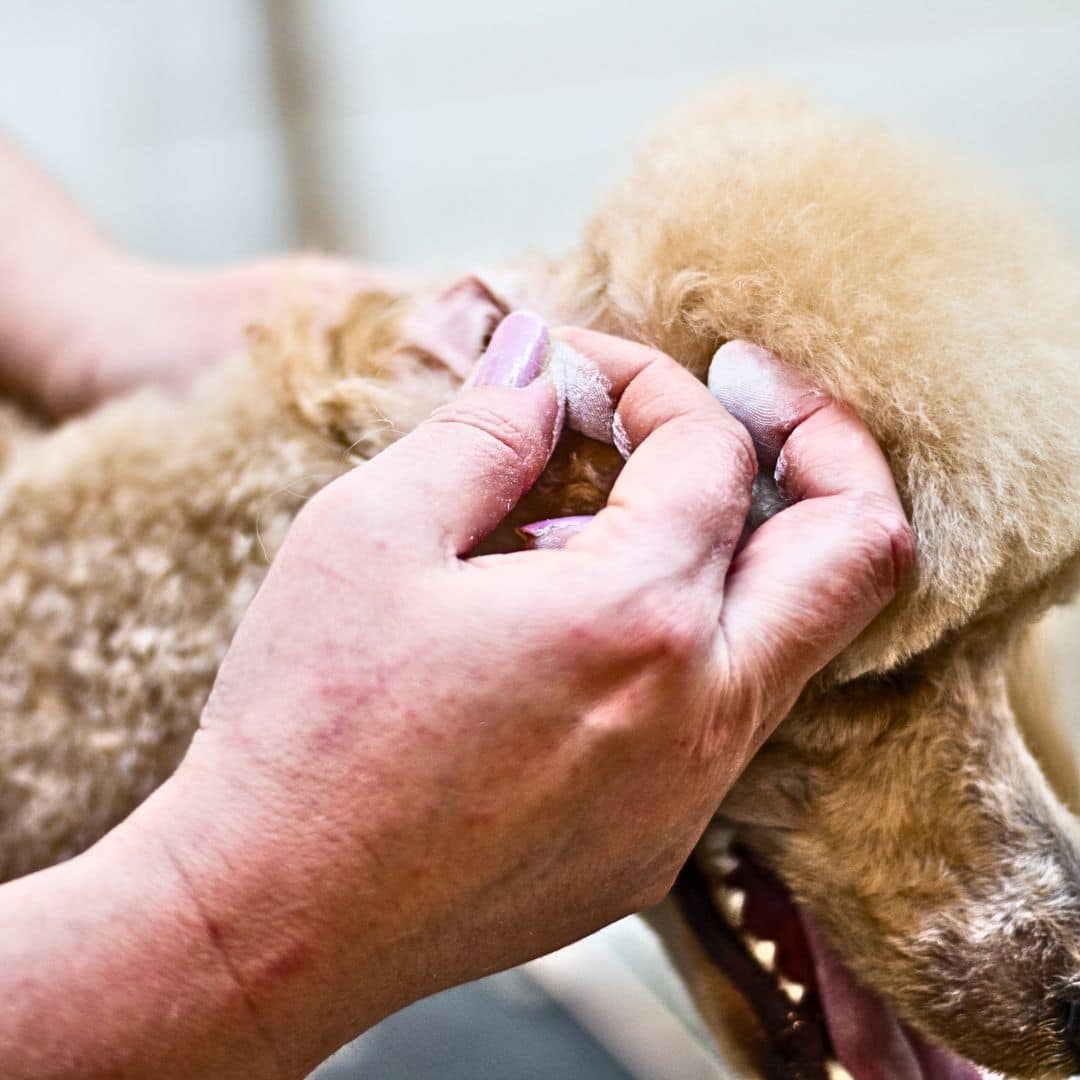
{"points": [[893, 870]]}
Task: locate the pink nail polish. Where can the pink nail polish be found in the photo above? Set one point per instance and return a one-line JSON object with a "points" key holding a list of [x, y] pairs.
{"points": [[553, 532], [517, 352]]}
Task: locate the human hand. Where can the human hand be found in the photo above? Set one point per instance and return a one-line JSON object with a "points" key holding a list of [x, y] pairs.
{"points": [[418, 767], [115, 322], [824, 461], [82, 320]]}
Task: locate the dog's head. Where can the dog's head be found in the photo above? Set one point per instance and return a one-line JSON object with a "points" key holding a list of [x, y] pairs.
{"points": [[898, 803]]}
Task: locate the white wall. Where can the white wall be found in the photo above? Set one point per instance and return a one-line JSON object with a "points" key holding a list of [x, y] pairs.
{"points": [[429, 132], [157, 115]]}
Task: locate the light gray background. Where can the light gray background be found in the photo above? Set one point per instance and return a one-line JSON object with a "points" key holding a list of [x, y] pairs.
{"points": [[423, 131]]}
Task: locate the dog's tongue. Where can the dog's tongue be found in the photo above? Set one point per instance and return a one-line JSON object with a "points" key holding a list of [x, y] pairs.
{"points": [[868, 1040]]}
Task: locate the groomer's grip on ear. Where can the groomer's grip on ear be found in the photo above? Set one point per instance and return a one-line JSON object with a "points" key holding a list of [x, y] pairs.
{"points": [[809, 580], [811, 577], [417, 767]]}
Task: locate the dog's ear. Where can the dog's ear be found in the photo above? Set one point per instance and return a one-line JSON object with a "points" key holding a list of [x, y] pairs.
{"points": [[453, 328], [927, 299]]}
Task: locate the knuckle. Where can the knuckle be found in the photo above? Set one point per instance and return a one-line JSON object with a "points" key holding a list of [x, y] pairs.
{"points": [[886, 542], [503, 437], [742, 467], [729, 441], [741, 451], [735, 463], [659, 360], [663, 625]]}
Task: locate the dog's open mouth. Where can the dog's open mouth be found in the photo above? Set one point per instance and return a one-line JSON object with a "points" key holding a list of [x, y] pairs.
{"points": [[818, 1022]]}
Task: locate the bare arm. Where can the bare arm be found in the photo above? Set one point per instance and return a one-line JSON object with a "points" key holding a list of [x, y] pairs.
{"points": [[81, 319], [47, 244], [108, 970]]}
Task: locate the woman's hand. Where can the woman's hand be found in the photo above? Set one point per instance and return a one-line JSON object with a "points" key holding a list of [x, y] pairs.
{"points": [[115, 322], [437, 766], [417, 767]]}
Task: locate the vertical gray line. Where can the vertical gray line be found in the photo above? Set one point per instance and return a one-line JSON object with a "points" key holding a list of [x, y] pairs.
{"points": [[294, 68]]}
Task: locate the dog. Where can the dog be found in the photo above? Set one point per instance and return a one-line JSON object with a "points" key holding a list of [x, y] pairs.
{"points": [[892, 886]]}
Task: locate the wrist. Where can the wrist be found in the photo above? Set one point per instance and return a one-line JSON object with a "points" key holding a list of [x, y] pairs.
{"points": [[276, 903], [112, 973], [51, 318]]}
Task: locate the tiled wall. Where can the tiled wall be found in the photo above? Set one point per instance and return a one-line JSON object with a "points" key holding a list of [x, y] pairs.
{"points": [[429, 132]]}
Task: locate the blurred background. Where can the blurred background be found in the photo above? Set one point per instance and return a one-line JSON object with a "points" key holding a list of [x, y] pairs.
{"points": [[435, 135]]}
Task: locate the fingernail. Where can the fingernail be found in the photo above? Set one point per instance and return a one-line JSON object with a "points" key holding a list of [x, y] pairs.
{"points": [[517, 352], [553, 532]]}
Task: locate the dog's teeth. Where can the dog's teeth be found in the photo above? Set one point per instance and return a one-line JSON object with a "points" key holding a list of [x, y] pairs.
{"points": [[723, 865], [795, 991], [716, 841], [835, 1071], [764, 951], [732, 903]]}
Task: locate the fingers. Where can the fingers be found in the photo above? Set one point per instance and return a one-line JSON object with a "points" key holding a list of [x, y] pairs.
{"points": [[680, 502], [815, 575], [767, 397], [553, 533], [810, 580], [447, 484], [816, 445]]}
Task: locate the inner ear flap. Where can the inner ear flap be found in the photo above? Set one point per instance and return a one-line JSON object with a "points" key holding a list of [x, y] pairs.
{"points": [[454, 327]]}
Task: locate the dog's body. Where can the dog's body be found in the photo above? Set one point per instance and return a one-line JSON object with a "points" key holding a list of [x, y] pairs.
{"points": [[897, 802]]}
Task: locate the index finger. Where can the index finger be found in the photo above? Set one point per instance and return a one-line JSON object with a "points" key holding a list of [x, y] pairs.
{"points": [[681, 500]]}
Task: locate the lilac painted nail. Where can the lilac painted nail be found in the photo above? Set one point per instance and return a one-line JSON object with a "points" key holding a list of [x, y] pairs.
{"points": [[553, 532], [517, 352]]}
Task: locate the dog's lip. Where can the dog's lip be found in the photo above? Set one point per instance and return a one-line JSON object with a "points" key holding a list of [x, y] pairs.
{"points": [[866, 1038]]}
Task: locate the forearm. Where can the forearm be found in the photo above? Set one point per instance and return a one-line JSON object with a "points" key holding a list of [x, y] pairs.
{"points": [[188, 942], [46, 242], [82, 320], [107, 969]]}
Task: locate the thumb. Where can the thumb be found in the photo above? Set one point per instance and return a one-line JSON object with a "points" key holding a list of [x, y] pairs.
{"points": [[811, 578], [447, 484]]}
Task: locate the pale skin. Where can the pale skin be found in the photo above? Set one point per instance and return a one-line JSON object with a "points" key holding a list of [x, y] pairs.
{"points": [[81, 319], [417, 767]]}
